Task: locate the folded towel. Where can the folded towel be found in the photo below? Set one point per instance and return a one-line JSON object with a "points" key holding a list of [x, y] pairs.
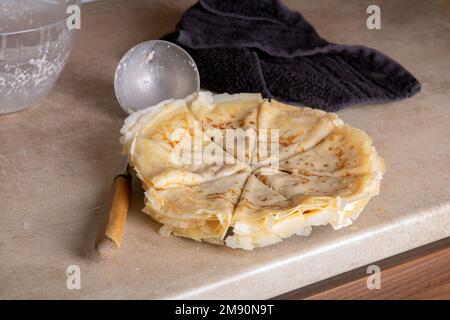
{"points": [[262, 46]]}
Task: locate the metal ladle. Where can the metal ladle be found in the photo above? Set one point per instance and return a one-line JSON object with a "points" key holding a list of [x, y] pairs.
{"points": [[154, 71], [147, 74]]}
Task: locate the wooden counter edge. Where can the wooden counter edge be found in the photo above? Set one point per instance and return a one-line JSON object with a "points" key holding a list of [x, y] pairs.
{"points": [[421, 273]]}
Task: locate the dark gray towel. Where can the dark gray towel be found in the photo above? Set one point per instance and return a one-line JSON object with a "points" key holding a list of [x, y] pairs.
{"points": [[262, 46]]}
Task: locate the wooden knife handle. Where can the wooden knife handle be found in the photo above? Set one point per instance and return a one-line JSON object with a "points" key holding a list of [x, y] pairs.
{"points": [[109, 237]]}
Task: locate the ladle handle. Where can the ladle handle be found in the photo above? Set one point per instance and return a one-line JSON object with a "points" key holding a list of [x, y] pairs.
{"points": [[110, 234]]}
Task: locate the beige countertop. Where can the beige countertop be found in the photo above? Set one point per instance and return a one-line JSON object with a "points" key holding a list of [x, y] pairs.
{"points": [[57, 160]]}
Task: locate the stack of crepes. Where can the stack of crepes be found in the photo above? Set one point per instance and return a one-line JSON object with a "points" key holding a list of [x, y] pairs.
{"points": [[301, 168]]}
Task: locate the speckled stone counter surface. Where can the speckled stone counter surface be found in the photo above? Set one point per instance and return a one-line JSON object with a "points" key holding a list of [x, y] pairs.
{"points": [[57, 160]]}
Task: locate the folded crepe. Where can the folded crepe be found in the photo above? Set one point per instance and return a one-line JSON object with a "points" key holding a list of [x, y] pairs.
{"points": [[155, 140], [223, 112], [325, 171], [203, 211]]}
